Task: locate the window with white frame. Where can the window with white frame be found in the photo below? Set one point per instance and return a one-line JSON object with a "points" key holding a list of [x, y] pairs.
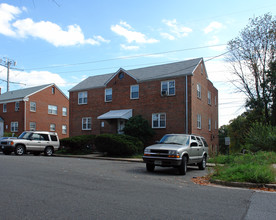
{"points": [[159, 120], [14, 126], [209, 98], [64, 129], [198, 121], [52, 127], [32, 126], [64, 111], [17, 106], [82, 98], [5, 107], [134, 92], [198, 88], [108, 95], [52, 109], [32, 106], [209, 124], [86, 123], [168, 88]]}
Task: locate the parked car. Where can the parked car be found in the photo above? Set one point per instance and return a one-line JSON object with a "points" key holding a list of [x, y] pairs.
{"points": [[32, 141], [177, 150]]}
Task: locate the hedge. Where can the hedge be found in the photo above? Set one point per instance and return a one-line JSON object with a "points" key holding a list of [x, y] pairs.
{"points": [[78, 143]]}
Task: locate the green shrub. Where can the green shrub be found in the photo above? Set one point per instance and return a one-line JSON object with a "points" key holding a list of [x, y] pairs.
{"points": [[9, 134], [118, 144], [78, 143]]}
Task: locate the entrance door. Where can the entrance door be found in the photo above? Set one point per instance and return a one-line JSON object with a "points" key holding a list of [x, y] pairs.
{"points": [[120, 126]]}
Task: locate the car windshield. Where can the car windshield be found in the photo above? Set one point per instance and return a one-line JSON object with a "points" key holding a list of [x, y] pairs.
{"points": [[25, 135], [175, 139]]}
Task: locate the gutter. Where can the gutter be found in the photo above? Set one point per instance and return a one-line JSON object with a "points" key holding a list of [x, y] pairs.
{"points": [[187, 113]]}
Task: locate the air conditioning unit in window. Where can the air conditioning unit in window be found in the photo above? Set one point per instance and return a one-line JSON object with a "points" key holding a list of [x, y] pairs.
{"points": [[164, 93]]}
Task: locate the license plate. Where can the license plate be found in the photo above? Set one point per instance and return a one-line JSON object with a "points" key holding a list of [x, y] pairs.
{"points": [[158, 162]]}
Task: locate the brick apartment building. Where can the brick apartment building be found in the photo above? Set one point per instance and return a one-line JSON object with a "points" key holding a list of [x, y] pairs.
{"points": [[174, 98], [42, 107]]}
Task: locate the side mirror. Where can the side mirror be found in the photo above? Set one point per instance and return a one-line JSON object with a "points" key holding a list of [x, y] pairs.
{"points": [[194, 144]]}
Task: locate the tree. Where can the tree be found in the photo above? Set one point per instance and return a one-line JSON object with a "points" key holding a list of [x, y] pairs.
{"points": [[250, 55]]}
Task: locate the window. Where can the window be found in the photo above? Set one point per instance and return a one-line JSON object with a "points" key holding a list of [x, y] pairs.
{"points": [[53, 90], [216, 125], [32, 126], [5, 107], [215, 100], [159, 120], [198, 87], [64, 111], [86, 123], [52, 109], [32, 106], [52, 127], [168, 88], [134, 92], [14, 126], [209, 98], [17, 106], [108, 95], [209, 124], [64, 129], [199, 121], [53, 137], [201, 68], [82, 98]]}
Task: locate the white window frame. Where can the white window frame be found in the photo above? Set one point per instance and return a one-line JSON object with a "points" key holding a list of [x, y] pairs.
{"points": [[5, 107], [64, 129], [32, 126], [33, 106], [16, 106], [209, 98], [105, 94], [198, 90], [198, 125], [85, 122], [133, 92], [52, 127], [82, 98], [52, 109], [168, 87], [209, 124], [64, 111], [158, 115], [14, 126]]}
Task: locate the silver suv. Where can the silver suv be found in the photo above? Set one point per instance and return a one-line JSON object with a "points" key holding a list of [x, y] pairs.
{"points": [[32, 141], [177, 150]]}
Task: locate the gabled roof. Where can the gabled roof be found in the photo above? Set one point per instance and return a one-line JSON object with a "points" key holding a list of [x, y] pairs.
{"points": [[20, 94], [176, 69]]}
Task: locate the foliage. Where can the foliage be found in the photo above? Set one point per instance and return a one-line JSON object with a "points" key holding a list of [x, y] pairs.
{"points": [[139, 127], [84, 143], [255, 168], [223, 133], [251, 56], [261, 137], [118, 144], [9, 134]]}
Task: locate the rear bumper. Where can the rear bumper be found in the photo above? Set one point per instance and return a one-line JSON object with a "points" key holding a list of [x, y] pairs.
{"points": [[164, 162]]}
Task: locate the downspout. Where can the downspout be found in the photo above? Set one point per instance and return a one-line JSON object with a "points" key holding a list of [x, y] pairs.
{"points": [[25, 115], [187, 113]]}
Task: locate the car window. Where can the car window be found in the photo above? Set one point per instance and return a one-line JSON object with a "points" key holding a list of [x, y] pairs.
{"points": [[53, 137], [44, 137], [204, 141], [193, 138], [35, 137], [199, 141], [175, 139]]}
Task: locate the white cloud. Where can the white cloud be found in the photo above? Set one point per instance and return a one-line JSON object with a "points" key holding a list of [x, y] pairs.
{"points": [[125, 30], [125, 47], [212, 27], [45, 30], [176, 30], [215, 40]]}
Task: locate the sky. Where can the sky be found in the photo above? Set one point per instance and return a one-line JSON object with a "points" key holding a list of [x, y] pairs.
{"points": [[66, 41]]}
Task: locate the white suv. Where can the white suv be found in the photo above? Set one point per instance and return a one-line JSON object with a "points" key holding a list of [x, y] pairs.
{"points": [[32, 141]]}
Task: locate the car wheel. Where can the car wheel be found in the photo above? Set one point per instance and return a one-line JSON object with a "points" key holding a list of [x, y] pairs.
{"points": [[36, 153], [183, 167], [6, 152], [202, 164], [19, 150], [48, 151], [150, 167]]}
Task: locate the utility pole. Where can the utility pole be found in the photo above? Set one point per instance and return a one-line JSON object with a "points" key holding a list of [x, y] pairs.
{"points": [[8, 63]]}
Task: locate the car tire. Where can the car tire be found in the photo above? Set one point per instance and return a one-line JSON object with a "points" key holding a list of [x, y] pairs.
{"points": [[183, 167], [6, 152], [202, 164], [36, 153], [48, 151], [19, 150], [150, 167]]}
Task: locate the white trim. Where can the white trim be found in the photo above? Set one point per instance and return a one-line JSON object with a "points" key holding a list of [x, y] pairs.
{"points": [[159, 120], [83, 103], [138, 91], [86, 119], [105, 94], [168, 87]]}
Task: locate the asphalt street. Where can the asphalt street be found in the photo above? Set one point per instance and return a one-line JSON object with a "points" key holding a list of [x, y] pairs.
{"points": [[38, 187]]}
